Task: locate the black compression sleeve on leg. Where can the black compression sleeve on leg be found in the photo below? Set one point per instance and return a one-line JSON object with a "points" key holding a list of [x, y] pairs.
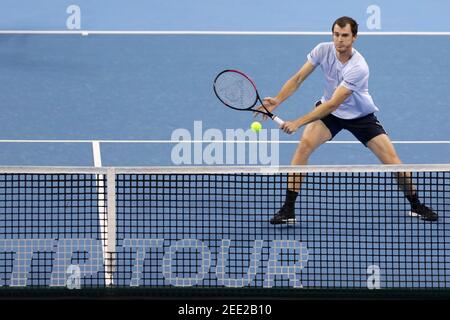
{"points": [[291, 196], [413, 199]]}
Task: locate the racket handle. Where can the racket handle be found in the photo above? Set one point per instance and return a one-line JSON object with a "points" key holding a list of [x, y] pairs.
{"points": [[277, 120]]}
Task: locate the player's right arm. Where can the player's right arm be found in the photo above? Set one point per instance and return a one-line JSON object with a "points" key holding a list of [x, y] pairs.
{"points": [[289, 87]]}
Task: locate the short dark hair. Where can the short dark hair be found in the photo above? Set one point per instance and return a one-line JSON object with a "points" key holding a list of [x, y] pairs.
{"points": [[343, 21]]}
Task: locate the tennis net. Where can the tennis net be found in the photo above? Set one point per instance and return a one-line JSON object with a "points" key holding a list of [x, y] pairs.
{"points": [[196, 228]]}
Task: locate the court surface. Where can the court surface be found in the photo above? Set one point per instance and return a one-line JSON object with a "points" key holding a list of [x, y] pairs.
{"points": [[131, 92]]}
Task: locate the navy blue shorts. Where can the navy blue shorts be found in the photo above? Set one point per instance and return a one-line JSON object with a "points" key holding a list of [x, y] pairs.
{"points": [[364, 128]]}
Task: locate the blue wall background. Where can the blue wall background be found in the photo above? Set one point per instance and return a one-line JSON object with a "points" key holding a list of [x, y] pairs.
{"points": [[222, 15]]}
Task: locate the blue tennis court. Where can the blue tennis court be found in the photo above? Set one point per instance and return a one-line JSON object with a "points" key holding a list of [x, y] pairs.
{"points": [[144, 87]]}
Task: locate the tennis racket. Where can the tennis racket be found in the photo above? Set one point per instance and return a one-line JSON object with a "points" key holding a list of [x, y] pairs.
{"points": [[237, 91]]}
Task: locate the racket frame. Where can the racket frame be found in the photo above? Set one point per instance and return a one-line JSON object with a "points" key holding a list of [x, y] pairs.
{"points": [[250, 108]]}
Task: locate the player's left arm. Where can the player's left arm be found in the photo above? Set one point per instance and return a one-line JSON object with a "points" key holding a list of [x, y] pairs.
{"points": [[340, 94]]}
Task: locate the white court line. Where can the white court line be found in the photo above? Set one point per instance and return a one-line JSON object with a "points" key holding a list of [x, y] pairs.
{"points": [[96, 147], [97, 154], [218, 33]]}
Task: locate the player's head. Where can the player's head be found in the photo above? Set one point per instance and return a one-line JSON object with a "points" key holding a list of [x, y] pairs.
{"points": [[345, 30], [342, 22]]}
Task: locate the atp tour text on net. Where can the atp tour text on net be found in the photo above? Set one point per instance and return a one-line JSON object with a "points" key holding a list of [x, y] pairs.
{"points": [[64, 273]]}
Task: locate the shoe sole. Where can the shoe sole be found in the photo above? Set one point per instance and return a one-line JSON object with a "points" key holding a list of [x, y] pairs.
{"points": [[413, 214], [286, 221]]}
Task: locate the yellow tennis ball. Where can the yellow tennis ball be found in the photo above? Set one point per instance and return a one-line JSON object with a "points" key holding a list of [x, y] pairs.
{"points": [[256, 126]]}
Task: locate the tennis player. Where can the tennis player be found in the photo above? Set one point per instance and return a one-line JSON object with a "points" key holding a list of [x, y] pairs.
{"points": [[346, 104]]}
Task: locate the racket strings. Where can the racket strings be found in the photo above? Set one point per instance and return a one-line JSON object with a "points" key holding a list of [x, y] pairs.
{"points": [[235, 90]]}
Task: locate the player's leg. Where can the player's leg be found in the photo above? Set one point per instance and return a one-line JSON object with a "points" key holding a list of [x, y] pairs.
{"points": [[383, 148], [314, 135]]}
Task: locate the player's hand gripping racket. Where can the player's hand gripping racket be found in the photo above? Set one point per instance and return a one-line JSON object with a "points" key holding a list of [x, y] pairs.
{"points": [[237, 91]]}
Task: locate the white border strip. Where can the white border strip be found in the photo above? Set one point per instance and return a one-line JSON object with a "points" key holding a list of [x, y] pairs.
{"points": [[227, 169], [51, 170], [216, 141], [283, 169], [103, 212], [219, 33], [110, 254]]}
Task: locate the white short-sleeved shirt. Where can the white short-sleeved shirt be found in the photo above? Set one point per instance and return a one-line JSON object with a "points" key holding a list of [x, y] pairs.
{"points": [[354, 75]]}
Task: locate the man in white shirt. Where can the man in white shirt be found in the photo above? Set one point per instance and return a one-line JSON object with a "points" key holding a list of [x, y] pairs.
{"points": [[346, 104]]}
